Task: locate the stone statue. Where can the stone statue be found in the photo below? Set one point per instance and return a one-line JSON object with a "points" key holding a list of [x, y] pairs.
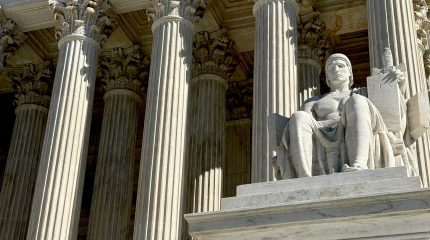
{"points": [[342, 130]]}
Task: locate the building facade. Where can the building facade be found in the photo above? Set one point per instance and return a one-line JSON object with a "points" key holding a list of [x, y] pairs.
{"points": [[119, 117]]}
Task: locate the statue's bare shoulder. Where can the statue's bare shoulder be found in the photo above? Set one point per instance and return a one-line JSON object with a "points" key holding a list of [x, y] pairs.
{"points": [[309, 104]]}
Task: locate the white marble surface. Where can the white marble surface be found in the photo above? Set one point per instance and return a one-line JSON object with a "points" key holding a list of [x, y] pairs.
{"points": [[386, 97], [59, 184], [399, 214], [418, 115], [207, 143], [401, 37], [322, 181], [275, 76], [319, 193], [160, 195], [21, 170], [309, 79], [338, 131], [113, 184]]}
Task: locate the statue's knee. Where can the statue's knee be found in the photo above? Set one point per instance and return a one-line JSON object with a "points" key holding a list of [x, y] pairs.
{"points": [[300, 116], [356, 102], [300, 121]]}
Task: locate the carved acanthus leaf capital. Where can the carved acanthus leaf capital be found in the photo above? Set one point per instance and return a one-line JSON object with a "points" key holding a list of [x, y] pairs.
{"points": [[312, 42], [33, 85], [10, 40], [213, 55], [125, 69], [422, 22], [91, 18], [239, 100], [192, 10]]}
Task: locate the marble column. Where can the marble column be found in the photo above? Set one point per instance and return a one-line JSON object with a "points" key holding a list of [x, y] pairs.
{"points": [[312, 49], [238, 152], [160, 197], [32, 89], [422, 25], [58, 194], [275, 76], [124, 73], [10, 40], [309, 72], [213, 63], [238, 137], [392, 24]]}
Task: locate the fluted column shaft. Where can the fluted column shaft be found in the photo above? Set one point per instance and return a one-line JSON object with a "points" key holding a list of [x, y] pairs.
{"points": [[21, 169], [275, 76], [207, 136], [57, 198], [113, 186], [160, 202], [392, 24], [309, 79], [423, 144]]}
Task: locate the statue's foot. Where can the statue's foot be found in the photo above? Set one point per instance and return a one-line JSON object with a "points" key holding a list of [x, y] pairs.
{"points": [[354, 167]]}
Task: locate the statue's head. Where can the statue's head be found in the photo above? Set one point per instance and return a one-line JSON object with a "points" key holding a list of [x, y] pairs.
{"points": [[333, 60]]}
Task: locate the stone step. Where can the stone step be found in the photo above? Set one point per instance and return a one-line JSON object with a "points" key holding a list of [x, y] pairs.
{"points": [[328, 191], [322, 181]]}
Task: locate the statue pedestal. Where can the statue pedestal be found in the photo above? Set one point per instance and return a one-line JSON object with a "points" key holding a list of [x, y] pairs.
{"points": [[370, 204]]}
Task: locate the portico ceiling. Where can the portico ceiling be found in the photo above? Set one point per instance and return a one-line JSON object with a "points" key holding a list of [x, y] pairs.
{"points": [[35, 18]]}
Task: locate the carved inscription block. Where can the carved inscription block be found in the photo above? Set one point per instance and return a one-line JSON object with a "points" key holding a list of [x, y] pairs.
{"points": [[384, 93]]}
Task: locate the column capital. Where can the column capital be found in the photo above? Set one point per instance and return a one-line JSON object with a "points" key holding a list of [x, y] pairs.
{"points": [[292, 3], [422, 23], [10, 40], [33, 85], [213, 54], [90, 18], [312, 42], [125, 68], [191, 10]]}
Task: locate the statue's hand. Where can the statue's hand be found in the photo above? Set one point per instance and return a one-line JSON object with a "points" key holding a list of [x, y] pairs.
{"points": [[397, 143], [401, 78]]}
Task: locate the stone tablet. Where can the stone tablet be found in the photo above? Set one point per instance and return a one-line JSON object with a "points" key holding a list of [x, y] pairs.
{"points": [[418, 115], [384, 93]]}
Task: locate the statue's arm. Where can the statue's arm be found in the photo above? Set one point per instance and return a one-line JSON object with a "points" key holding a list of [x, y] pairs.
{"points": [[308, 107]]}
